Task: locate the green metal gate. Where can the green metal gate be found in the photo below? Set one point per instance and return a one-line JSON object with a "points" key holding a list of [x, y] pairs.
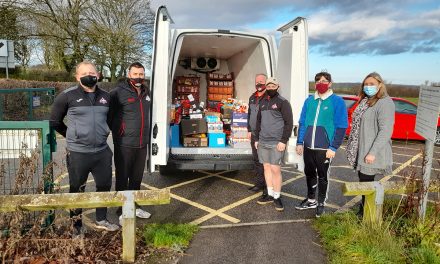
{"points": [[25, 159], [26, 104]]}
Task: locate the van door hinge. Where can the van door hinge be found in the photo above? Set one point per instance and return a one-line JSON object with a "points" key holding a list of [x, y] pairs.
{"points": [[154, 149], [155, 131]]}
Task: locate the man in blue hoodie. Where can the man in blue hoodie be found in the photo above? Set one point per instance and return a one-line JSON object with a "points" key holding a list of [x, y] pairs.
{"points": [[322, 128]]}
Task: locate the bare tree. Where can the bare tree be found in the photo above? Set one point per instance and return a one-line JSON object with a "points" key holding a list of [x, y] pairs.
{"points": [[120, 32], [60, 20]]}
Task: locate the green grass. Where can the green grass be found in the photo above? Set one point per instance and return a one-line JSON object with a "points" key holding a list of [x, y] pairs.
{"points": [[414, 100], [400, 239], [169, 235]]}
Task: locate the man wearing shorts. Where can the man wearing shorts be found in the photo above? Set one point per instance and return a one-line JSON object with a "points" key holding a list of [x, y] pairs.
{"points": [[274, 127]]}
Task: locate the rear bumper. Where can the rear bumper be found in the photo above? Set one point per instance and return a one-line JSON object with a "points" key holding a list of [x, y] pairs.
{"points": [[213, 163]]}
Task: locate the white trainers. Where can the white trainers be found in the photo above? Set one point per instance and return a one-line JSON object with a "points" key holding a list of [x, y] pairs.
{"points": [[106, 225], [142, 214]]}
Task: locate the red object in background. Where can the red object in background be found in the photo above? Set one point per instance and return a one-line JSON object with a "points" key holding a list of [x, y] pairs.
{"points": [[404, 118]]}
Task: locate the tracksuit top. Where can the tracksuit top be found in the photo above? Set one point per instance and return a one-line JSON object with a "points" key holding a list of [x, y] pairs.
{"points": [[87, 128], [254, 107], [323, 122], [274, 120], [129, 116]]}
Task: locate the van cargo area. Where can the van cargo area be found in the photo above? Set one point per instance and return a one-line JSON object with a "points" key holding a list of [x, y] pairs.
{"points": [[240, 57]]}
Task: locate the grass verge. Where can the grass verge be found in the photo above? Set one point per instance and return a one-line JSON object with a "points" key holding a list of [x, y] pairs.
{"points": [[175, 236], [400, 239]]}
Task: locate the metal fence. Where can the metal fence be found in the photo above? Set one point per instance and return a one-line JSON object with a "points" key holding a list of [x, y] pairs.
{"points": [[25, 159], [26, 104]]}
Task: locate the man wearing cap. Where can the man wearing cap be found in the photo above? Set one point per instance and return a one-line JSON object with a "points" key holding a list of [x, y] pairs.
{"points": [[254, 107], [274, 127]]}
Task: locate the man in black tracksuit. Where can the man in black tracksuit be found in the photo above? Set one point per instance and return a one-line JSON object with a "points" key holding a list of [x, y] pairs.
{"points": [[254, 107], [129, 119], [86, 107]]}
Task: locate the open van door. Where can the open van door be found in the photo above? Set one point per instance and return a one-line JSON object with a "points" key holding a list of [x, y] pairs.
{"points": [[292, 73], [159, 88]]}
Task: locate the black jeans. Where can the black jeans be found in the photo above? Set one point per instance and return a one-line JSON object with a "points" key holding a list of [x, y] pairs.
{"points": [[79, 165], [317, 171], [129, 164], [364, 178], [260, 181]]}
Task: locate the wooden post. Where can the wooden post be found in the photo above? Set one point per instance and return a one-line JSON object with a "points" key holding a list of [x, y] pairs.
{"points": [[128, 228]]}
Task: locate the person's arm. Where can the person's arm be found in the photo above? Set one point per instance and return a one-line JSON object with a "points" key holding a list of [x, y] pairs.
{"points": [[249, 115], [302, 127], [286, 112], [340, 122], [258, 126], [58, 112], [385, 121], [113, 108]]}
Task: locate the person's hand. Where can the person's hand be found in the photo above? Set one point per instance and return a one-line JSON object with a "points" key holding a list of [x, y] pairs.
{"points": [[281, 146], [256, 144], [299, 149], [369, 159], [249, 135], [330, 154]]}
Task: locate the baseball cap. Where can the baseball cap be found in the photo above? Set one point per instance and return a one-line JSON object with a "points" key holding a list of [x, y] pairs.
{"points": [[272, 80]]}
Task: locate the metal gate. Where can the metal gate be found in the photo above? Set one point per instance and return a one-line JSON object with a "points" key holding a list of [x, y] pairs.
{"points": [[25, 159], [26, 104]]}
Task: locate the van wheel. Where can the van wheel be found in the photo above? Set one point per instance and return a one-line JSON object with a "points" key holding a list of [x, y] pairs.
{"points": [[166, 170], [437, 137]]}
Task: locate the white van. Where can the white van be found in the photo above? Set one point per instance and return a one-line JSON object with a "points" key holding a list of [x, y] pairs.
{"points": [[245, 54]]}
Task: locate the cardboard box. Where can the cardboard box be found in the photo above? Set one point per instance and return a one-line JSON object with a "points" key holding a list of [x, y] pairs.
{"points": [[175, 136], [240, 143], [217, 140], [195, 142], [239, 119], [193, 126]]}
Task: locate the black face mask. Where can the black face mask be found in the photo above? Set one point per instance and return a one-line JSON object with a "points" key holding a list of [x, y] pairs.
{"points": [[89, 80], [260, 87], [272, 93], [137, 81]]}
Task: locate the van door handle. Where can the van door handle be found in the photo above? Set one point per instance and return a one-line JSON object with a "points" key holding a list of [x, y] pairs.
{"points": [[155, 131]]}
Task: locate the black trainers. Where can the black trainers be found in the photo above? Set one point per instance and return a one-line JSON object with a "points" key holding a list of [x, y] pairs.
{"points": [[305, 204], [278, 204], [265, 199], [319, 210]]}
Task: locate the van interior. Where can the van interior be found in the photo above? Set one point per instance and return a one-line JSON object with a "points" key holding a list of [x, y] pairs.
{"points": [[242, 55]]}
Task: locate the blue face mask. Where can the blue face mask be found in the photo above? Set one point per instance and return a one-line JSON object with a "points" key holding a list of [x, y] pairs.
{"points": [[370, 91]]}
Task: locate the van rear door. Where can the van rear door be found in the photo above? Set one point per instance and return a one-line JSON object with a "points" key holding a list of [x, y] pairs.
{"points": [[159, 86], [292, 73]]}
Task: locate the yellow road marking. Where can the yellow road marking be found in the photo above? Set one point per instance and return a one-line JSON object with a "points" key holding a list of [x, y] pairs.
{"points": [[233, 180], [190, 181], [197, 205], [293, 179], [224, 209]]}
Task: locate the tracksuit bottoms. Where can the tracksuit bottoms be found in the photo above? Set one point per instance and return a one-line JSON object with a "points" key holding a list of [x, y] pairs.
{"points": [[317, 171], [79, 165]]}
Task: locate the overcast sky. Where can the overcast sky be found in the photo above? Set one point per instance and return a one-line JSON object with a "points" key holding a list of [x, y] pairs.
{"points": [[349, 38]]}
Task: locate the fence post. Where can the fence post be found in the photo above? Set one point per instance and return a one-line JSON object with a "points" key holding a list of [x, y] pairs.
{"points": [[128, 228], [374, 204]]}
